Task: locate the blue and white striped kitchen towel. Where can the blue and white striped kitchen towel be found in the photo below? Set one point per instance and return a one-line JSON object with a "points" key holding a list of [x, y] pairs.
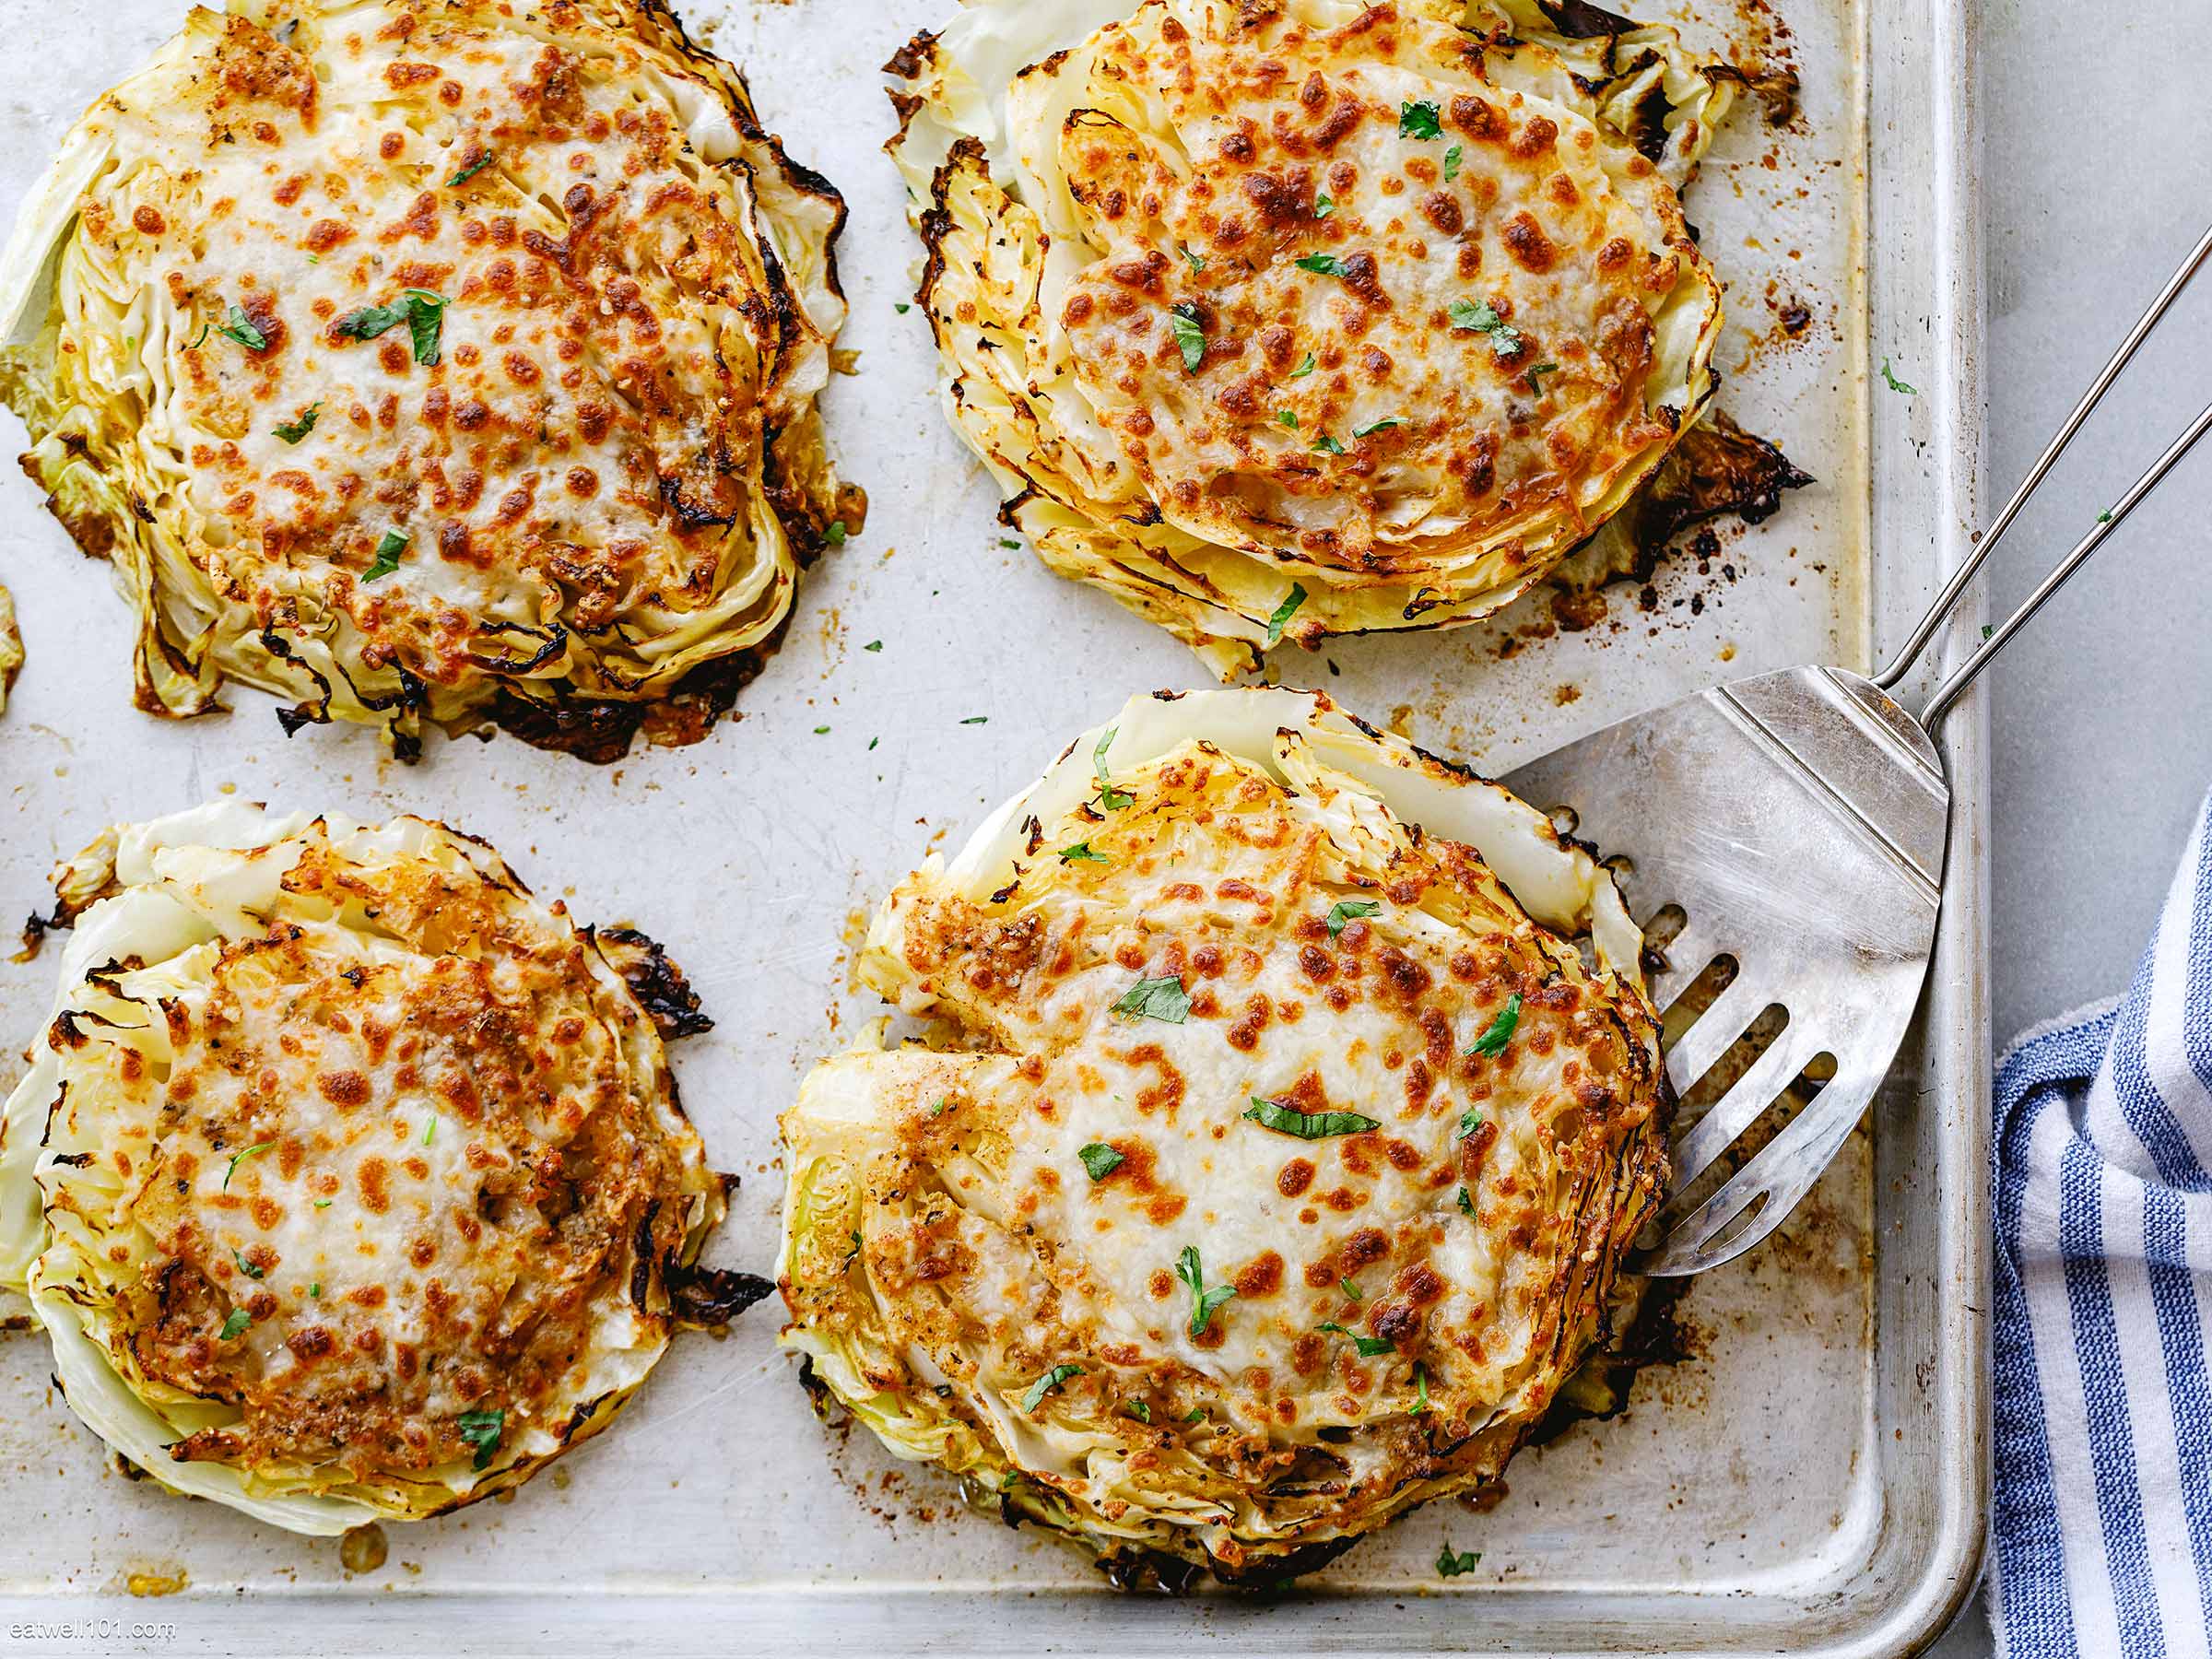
{"points": [[2102, 1535]]}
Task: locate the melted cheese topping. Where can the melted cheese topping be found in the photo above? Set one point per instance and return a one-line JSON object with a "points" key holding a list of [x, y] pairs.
{"points": [[360, 1151], [1326, 318], [1227, 1025], [428, 352]]}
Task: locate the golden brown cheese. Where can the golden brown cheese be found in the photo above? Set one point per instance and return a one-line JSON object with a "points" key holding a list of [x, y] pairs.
{"points": [[1323, 319], [1279, 1123], [11, 647], [425, 359], [364, 1171]]}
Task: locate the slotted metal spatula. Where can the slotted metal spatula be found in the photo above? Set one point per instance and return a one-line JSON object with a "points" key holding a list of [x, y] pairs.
{"points": [[1799, 820]]}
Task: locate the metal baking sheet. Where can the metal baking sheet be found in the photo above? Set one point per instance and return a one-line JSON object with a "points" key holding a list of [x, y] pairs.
{"points": [[1807, 1478]]}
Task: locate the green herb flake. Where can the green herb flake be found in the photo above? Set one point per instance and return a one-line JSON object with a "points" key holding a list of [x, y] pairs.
{"points": [[369, 321], [426, 323], [822, 731], [238, 1158], [2105, 517], [1890, 378], [1351, 910], [1137, 1409], [1048, 1383], [322, 1204], [873, 645], [1452, 160], [1351, 1290], [1420, 1389], [301, 424], [852, 1255], [1109, 798], [1323, 205], [1533, 379], [472, 170], [1466, 1202], [430, 1129], [1287, 418], [1304, 368], [1449, 1565], [251, 1269], [483, 1430], [1099, 1160], [1469, 1120], [1478, 316], [1184, 323], [1008, 542], [1328, 445], [1307, 1126], [1204, 1302], [1500, 1031], [315, 1289], [1283, 612], [1322, 265], [199, 339], [1370, 1347], [235, 1326], [1196, 1415], [977, 720], [1987, 631], [1163, 999], [1197, 261], [835, 535], [242, 329], [1374, 426], [902, 307], [1418, 118], [1083, 853], [940, 1106], [387, 556]]}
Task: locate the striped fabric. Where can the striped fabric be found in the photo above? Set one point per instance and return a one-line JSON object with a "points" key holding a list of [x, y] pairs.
{"points": [[2101, 1539]]}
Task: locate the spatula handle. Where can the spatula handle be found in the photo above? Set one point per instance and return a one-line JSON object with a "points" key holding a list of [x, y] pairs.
{"points": [[1963, 577]]}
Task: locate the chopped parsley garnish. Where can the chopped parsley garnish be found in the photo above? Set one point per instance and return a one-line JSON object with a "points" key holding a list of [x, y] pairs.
{"points": [[835, 536], [301, 424], [1099, 1160], [1323, 205], [1328, 445], [421, 311], [1478, 316], [315, 1289], [1469, 1120], [322, 1204], [1307, 1126], [854, 1254], [1322, 265], [1007, 541], [1286, 417], [1500, 1031], [482, 1430], [1349, 910], [1372, 426], [1420, 1389], [1163, 999], [1283, 612], [940, 1106], [1449, 1565], [1048, 1383], [1890, 378], [235, 1326], [242, 329], [2105, 517], [387, 556], [1082, 852], [1184, 323], [977, 720], [1137, 1409], [1452, 164], [1369, 1347], [873, 645], [472, 170], [1204, 1302], [238, 1158], [902, 307], [430, 1129], [199, 339], [1534, 378], [251, 1269], [1304, 368], [1197, 261], [1418, 118], [1197, 1415], [1109, 798], [1351, 1290], [1466, 1202], [822, 731]]}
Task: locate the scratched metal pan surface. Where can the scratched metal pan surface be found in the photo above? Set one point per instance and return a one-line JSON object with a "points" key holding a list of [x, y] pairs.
{"points": [[1807, 1478]]}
